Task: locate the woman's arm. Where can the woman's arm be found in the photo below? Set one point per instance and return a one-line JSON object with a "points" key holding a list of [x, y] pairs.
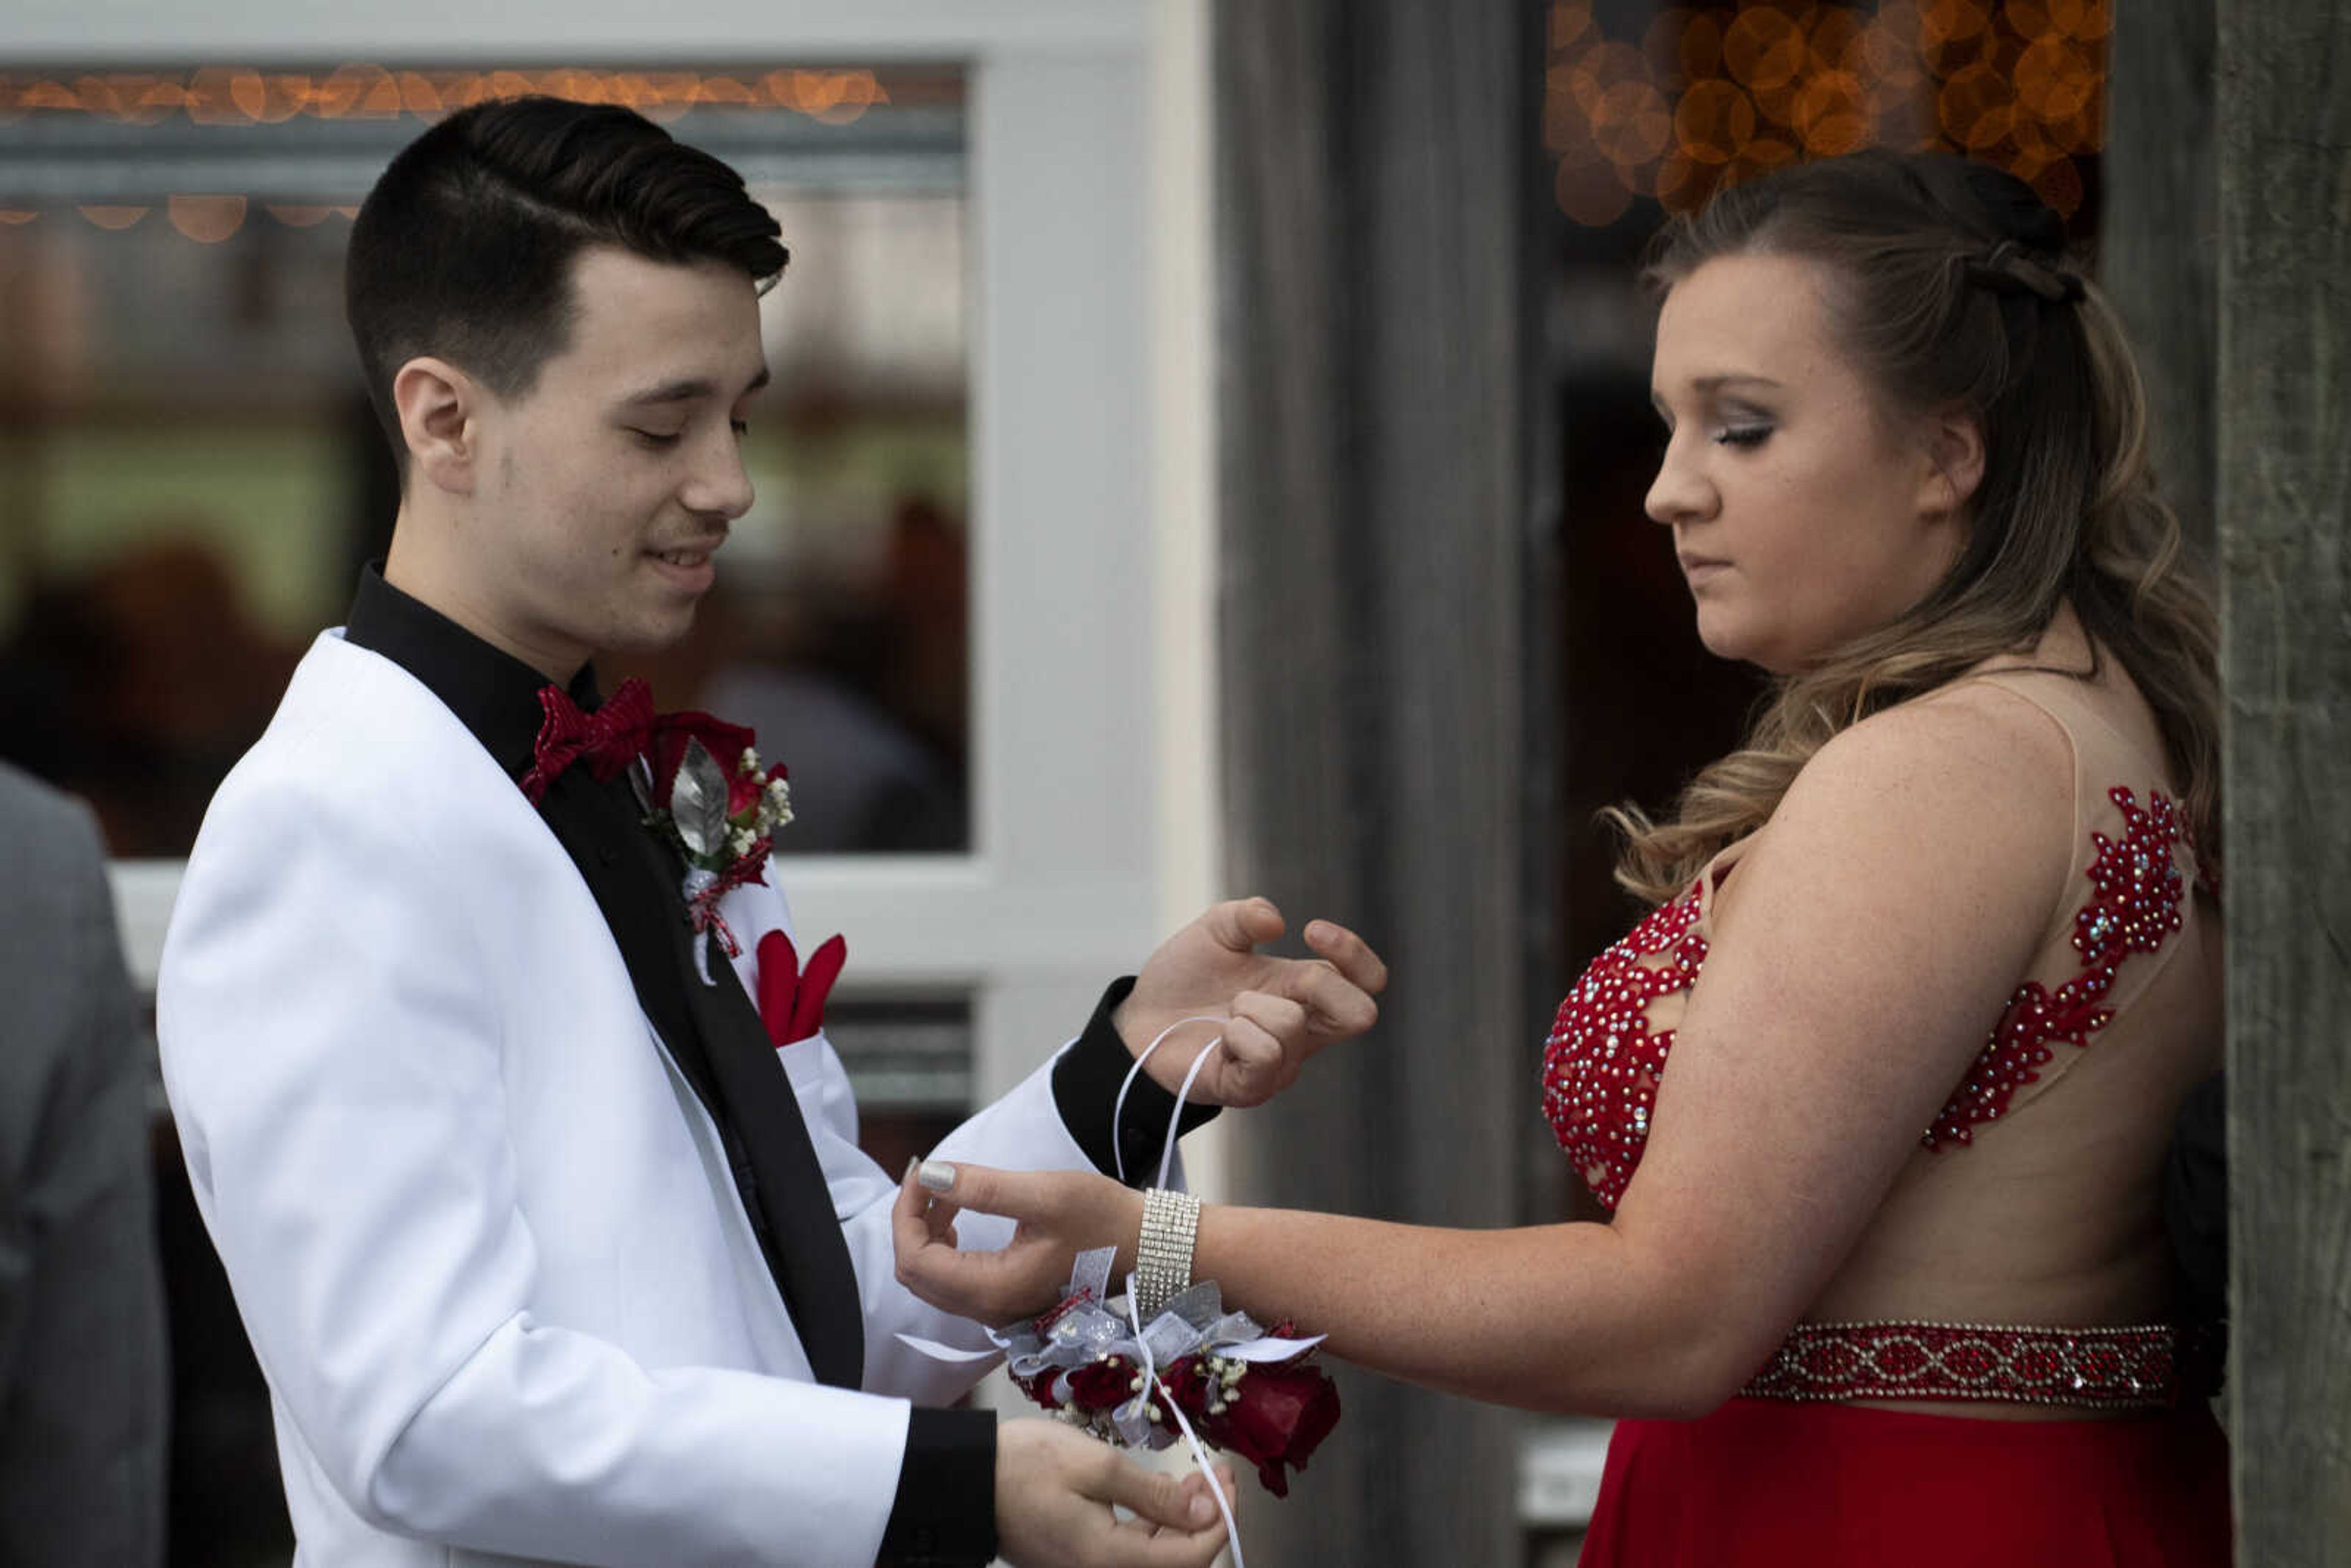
{"points": [[1860, 957]]}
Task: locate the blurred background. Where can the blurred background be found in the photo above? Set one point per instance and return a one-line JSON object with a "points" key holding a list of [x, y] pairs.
{"points": [[1205, 455]]}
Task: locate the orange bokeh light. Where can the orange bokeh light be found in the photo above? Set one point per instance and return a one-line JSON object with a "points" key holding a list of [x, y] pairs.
{"points": [[1632, 123], [1976, 108], [1834, 40], [207, 219], [2060, 185], [2055, 81], [1713, 121], [1700, 46], [112, 217], [1763, 48], [1942, 22], [1886, 59], [1685, 184], [1759, 156], [1569, 20], [2087, 20], [1594, 72], [1833, 115]]}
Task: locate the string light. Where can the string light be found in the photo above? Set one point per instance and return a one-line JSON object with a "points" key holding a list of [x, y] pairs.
{"points": [[239, 95], [1715, 95], [218, 94], [208, 220]]}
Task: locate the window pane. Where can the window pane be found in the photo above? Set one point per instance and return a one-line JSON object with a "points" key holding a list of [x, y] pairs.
{"points": [[190, 476]]}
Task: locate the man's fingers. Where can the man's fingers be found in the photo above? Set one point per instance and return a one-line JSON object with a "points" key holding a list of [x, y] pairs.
{"points": [[1158, 1497], [1350, 954], [1278, 1021], [1341, 1008], [1166, 1549], [1241, 924]]}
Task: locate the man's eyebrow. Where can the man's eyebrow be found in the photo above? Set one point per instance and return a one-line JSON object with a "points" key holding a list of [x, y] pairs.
{"points": [[688, 389]]}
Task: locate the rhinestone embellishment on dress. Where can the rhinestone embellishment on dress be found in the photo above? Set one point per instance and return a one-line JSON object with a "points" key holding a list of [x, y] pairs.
{"points": [[1602, 1064], [2134, 906]]}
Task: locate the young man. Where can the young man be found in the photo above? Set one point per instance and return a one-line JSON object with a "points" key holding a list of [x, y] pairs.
{"points": [[546, 1249]]}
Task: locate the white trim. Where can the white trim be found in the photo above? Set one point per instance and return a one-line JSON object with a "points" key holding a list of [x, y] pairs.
{"points": [[1188, 737], [150, 32]]}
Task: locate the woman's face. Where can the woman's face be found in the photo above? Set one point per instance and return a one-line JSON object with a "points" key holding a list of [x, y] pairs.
{"points": [[1804, 512]]}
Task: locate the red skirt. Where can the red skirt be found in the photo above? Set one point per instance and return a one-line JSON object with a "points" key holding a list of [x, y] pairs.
{"points": [[1765, 1483]]}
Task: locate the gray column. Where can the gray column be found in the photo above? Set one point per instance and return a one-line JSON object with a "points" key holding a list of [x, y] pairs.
{"points": [[2285, 501], [1379, 201], [2160, 234]]}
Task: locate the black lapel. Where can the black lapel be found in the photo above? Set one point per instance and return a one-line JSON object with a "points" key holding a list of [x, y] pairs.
{"points": [[775, 1165], [714, 1034]]}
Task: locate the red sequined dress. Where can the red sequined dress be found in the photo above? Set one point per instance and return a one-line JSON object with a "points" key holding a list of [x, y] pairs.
{"points": [[1797, 1469]]}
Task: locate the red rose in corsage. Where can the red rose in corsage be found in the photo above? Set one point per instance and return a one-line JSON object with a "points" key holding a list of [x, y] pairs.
{"points": [[719, 807], [1258, 1395]]}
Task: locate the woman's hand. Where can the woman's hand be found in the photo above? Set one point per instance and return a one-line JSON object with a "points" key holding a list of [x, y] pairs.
{"points": [[1058, 1215]]}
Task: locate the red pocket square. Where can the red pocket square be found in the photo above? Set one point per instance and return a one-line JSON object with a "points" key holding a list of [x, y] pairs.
{"points": [[816, 985], [792, 999]]}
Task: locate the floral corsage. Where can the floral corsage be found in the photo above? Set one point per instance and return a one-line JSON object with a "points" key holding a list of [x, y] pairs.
{"points": [[1254, 1393], [720, 816]]}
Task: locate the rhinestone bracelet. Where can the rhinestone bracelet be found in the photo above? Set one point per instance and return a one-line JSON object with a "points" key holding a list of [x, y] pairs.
{"points": [[1163, 1255]]}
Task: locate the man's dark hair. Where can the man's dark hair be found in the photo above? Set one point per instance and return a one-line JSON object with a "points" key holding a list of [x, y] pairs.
{"points": [[464, 248]]}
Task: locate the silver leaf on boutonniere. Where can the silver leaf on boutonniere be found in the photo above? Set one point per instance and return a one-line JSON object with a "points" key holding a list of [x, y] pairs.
{"points": [[697, 802]]}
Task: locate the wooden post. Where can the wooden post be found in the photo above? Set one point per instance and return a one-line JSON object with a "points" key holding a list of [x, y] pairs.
{"points": [[2158, 234], [1378, 201], [2284, 496]]}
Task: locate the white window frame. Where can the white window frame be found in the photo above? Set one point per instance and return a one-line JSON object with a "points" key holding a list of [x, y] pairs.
{"points": [[1092, 454]]}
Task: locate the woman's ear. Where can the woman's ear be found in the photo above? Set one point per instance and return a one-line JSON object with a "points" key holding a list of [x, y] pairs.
{"points": [[1955, 464], [440, 409]]}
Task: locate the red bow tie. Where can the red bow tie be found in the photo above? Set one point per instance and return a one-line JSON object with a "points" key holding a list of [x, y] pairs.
{"points": [[608, 740]]}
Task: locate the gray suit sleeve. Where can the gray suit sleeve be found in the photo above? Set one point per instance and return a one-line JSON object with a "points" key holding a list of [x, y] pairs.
{"points": [[82, 1377]]}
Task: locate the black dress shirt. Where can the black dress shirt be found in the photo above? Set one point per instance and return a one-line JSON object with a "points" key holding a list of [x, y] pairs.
{"points": [[944, 1513]]}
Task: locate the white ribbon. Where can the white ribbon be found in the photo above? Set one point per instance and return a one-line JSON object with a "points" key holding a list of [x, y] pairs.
{"points": [[1195, 1320]]}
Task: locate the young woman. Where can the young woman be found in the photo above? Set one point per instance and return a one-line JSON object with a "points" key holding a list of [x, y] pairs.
{"points": [[1879, 1092]]}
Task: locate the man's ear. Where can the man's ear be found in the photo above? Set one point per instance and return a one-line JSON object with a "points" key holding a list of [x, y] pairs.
{"points": [[1954, 447], [440, 419]]}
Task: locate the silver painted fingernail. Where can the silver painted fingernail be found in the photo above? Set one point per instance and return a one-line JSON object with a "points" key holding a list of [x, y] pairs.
{"points": [[936, 1175]]}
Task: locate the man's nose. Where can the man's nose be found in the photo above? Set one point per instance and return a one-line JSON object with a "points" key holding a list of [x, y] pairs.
{"points": [[720, 485]]}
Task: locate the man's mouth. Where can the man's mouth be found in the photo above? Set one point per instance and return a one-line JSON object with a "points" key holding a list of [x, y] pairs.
{"points": [[687, 558]]}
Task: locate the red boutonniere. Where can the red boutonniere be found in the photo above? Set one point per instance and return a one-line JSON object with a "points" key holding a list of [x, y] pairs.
{"points": [[698, 779], [718, 806]]}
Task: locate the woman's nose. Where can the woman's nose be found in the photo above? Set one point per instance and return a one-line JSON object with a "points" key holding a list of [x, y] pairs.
{"points": [[1679, 492]]}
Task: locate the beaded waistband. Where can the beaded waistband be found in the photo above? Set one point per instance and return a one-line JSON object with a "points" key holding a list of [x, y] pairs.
{"points": [[2101, 1368]]}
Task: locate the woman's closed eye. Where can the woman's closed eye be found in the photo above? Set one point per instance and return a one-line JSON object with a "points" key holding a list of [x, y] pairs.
{"points": [[1742, 435]]}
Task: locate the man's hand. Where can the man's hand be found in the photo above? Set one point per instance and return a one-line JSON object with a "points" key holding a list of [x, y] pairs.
{"points": [[1054, 1489], [1275, 1012]]}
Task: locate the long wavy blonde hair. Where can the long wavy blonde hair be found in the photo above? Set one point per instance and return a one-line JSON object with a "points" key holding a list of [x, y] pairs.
{"points": [[1946, 283]]}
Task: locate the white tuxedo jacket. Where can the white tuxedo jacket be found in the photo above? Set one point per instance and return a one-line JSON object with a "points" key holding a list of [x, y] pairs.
{"points": [[481, 1231]]}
